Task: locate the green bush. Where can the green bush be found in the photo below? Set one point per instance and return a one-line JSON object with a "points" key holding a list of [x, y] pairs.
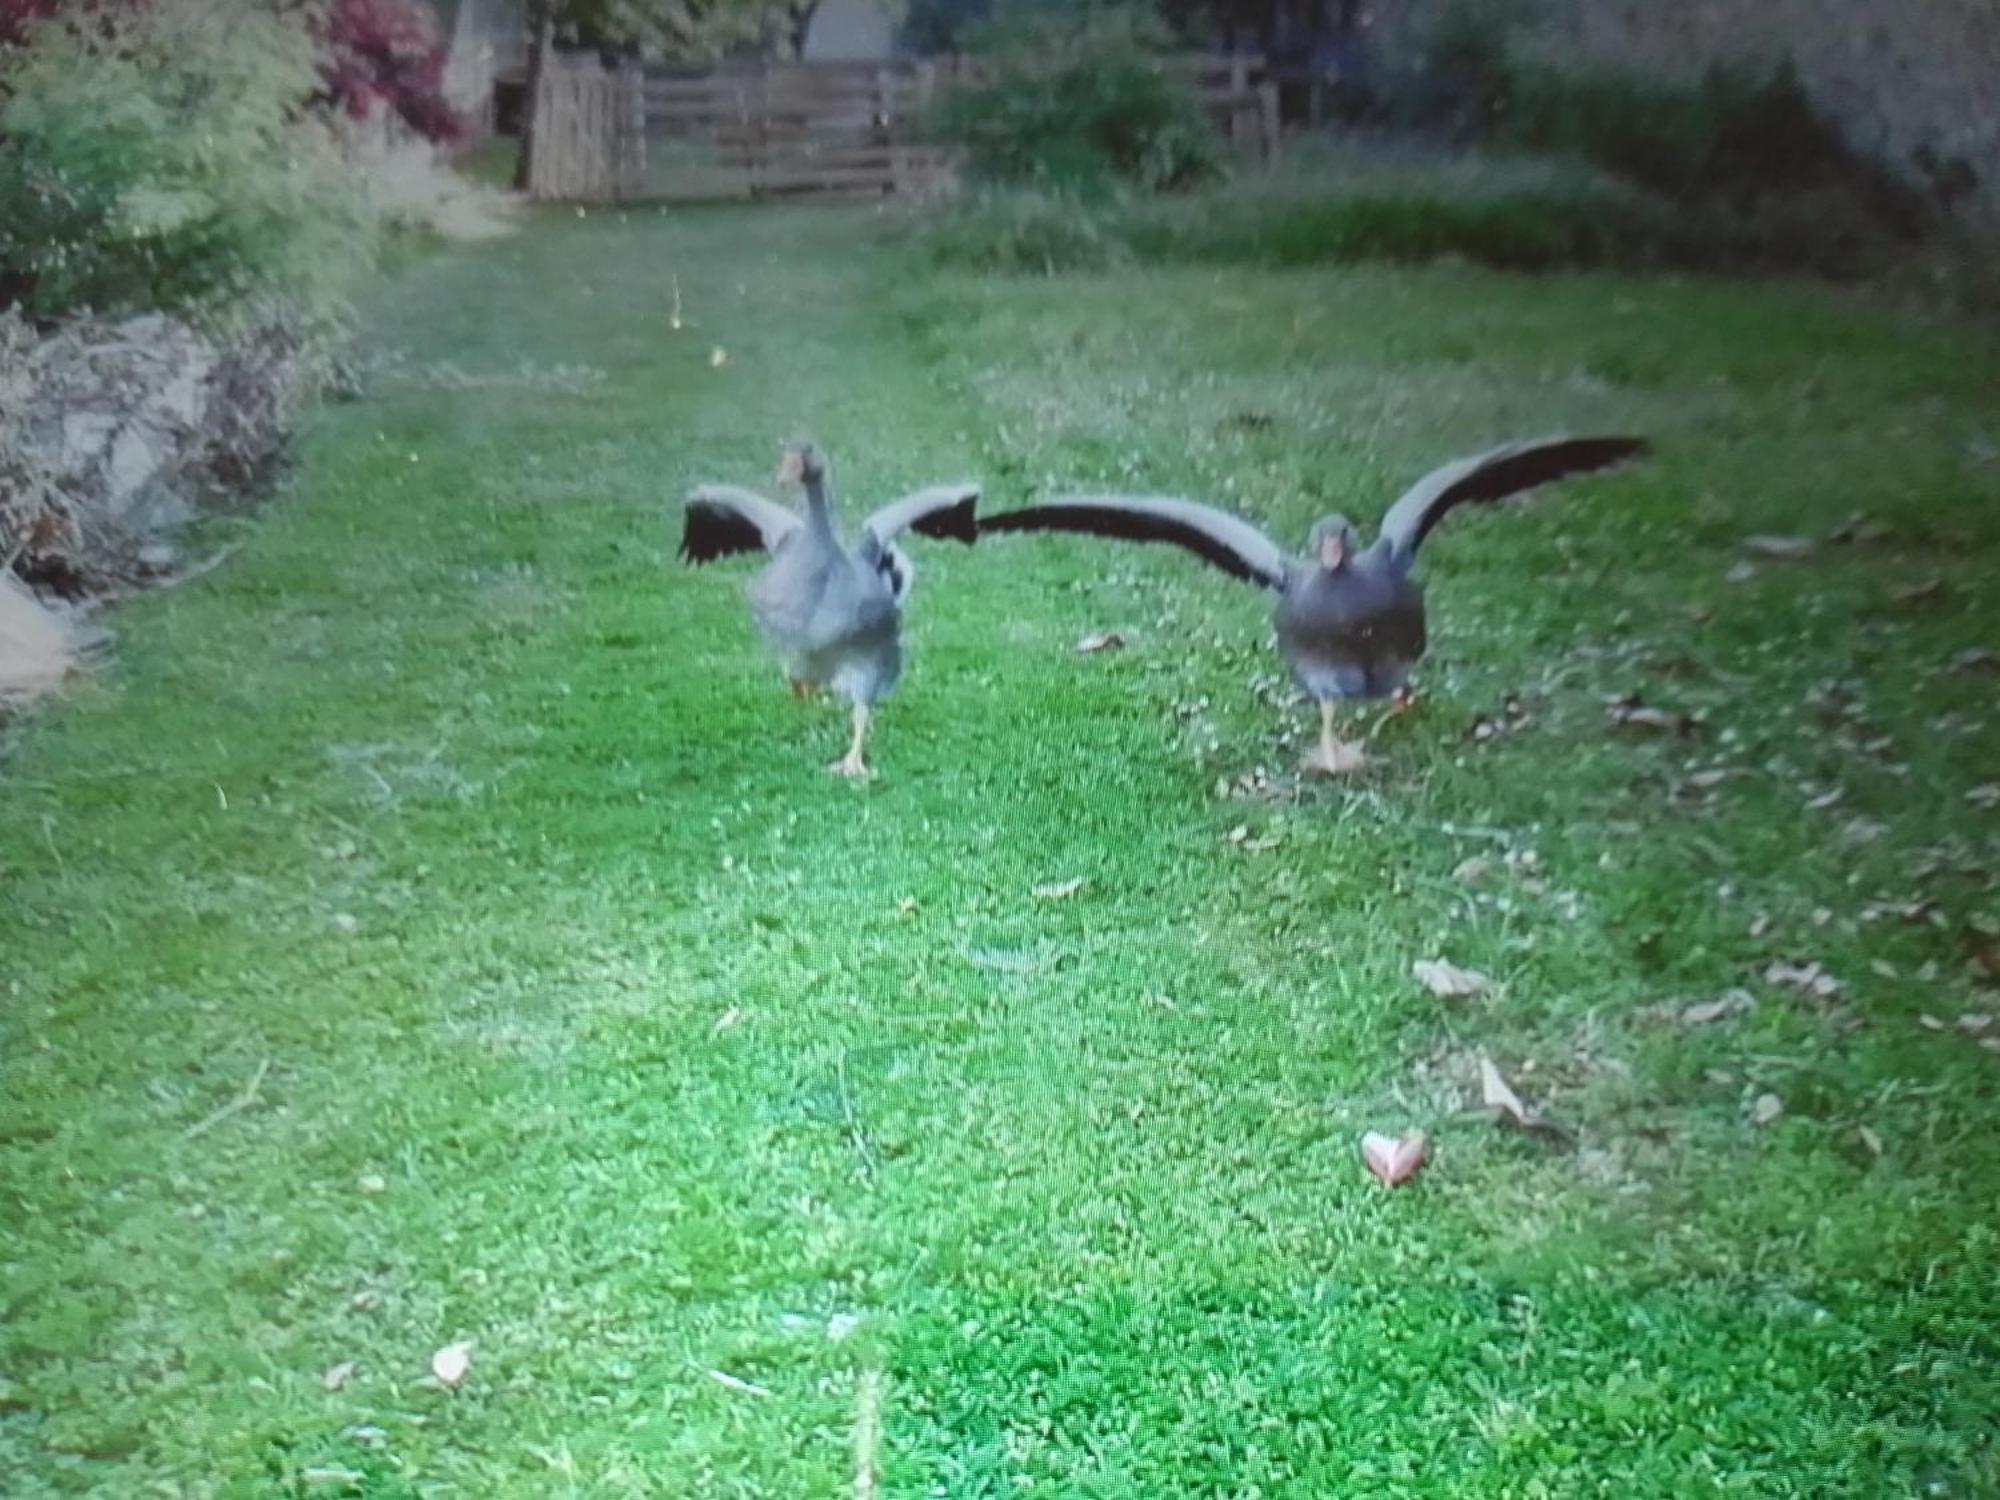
{"points": [[1025, 230], [1078, 103], [1754, 168], [162, 158], [1331, 206]]}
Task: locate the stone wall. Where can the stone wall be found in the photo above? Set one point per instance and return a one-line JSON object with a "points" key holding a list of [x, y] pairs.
{"points": [[112, 433]]}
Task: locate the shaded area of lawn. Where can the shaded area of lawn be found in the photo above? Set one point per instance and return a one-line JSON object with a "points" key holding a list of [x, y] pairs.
{"points": [[590, 1021]]}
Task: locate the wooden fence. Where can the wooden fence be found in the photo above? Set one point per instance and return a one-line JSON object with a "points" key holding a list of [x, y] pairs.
{"points": [[767, 129], [793, 128], [590, 133]]}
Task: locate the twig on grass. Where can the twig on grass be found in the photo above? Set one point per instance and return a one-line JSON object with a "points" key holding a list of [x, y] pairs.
{"points": [[235, 1106]]}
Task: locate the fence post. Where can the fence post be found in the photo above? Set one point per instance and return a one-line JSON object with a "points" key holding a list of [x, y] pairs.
{"points": [[631, 137], [1267, 95]]}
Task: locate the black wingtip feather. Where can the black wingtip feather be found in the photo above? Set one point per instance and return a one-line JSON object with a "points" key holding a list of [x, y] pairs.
{"points": [[1123, 525], [956, 523], [708, 533]]}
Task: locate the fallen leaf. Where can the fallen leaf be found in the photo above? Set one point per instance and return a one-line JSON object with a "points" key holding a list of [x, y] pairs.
{"points": [[717, 357], [1767, 1108], [1869, 1139], [365, 1300], [1629, 713], [1494, 1093], [1930, 1023], [1394, 1161], [450, 1365], [727, 1021], [906, 905], [1859, 527], [1472, 871], [1975, 660], [1986, 795], [1703, 781], [371, 1183], [1780, 548], [1743, 572], [1060, 891], [337, 1376], [1707, 1012], [1449, 982], [1975, 1025], [1811, 978], [1107, 640]]}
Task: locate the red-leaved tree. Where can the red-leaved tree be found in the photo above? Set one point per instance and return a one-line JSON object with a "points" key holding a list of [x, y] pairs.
{"points": [[388, 52]]}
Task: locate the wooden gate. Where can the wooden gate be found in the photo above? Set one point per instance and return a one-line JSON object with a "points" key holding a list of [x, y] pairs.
{"points": [[777, 129], [590, 132]]}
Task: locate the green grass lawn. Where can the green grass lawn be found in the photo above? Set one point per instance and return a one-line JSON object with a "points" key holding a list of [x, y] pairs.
{"points": [[436, 924]]}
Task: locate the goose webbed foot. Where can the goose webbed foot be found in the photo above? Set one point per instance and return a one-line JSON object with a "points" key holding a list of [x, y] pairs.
{"points": [[851, 765], [1334, 756]]}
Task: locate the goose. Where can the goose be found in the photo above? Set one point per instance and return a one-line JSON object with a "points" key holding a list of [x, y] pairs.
{"points": [[832, 613], [1349, 620]]}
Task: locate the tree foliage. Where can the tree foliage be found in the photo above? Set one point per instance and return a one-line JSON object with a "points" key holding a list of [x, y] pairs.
{"points": [[156, 156]]}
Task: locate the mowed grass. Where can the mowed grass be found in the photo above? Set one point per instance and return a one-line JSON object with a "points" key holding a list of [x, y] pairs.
{"points": [[436, 924]]}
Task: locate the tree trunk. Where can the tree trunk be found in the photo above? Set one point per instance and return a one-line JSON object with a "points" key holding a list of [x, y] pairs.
{"points": [[542, 33]]}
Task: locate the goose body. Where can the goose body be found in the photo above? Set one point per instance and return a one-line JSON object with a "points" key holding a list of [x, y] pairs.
{"points": [[830, 612], [1350, 622]]}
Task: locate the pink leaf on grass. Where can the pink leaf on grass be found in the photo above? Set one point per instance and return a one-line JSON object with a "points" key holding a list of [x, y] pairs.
{"points": [[1394, 1161]]}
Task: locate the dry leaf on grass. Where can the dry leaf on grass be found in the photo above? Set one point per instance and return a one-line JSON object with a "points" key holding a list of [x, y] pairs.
{"points": [[1393, 1161], [1472, 871], [1496, 1094], [1780, 548], [1629, 712], [1869, 1139], [1811, 978], [451, 1363], [337, 1376], [1060, 890], [727, 1021], [1986, 795], [731, 1382], [1105, 640], [1707, 1012], [1767, 1108], [717, 358], [1448, 981], [371, 1183]]}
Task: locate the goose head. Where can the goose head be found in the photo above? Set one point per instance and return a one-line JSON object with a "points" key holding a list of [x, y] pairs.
{"points": [[802, 463], [1332, 542]]}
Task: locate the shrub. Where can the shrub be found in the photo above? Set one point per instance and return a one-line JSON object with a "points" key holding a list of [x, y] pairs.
{"points": [[1744, 152], [1078, 103], [158, 158], [388, 52], [1025, 230]]}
